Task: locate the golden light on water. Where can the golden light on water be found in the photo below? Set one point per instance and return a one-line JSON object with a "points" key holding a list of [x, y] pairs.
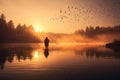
{"points": [[36, 54]]}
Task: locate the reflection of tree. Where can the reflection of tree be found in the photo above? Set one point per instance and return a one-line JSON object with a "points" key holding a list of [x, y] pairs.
{"points": [[10, 34], [95, 52], [5, 55], [3, 58], [21, 52]]}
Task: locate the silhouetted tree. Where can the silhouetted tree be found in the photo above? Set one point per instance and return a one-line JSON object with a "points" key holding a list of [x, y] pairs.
{"points": [[22, 33], [30, 29], [2, 22], [11, 25], [91, 31]]}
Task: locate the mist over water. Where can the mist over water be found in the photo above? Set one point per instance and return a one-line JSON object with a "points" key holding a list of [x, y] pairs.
{"points": [[100, 39]]}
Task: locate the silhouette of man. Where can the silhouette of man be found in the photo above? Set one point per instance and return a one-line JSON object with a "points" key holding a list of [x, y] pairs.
{"points": [[46, 42]]}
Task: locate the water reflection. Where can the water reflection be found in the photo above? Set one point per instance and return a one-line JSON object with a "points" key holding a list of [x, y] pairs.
{"points": [[98, 52], [36, 54], [8, 54], [46, 52], [27, 52]]}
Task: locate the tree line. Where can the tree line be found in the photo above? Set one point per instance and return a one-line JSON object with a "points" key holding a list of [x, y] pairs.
{"points": [[19, 34], [92, 31]]}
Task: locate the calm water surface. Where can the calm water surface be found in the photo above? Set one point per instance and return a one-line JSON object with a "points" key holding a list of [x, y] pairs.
{"points": [[59, 62]]}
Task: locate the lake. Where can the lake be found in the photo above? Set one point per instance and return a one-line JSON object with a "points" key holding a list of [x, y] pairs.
{"points": [[58, 62]]}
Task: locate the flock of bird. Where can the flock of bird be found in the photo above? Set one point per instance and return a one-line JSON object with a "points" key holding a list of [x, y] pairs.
{"points": [[71, 13], [81, 13]]}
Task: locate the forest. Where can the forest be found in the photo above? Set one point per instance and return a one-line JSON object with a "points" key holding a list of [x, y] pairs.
{"points": [[93, 31], [19, 34]]}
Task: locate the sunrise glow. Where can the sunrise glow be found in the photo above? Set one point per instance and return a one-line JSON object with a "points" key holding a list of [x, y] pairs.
{"points": [[37, 28], [68, 16]]}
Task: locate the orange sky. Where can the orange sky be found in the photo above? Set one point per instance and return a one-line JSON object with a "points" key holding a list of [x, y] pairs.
{"points": [[61, 16]]}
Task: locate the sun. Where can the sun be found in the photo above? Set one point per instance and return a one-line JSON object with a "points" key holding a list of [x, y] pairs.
{"points": [[37, 28]]}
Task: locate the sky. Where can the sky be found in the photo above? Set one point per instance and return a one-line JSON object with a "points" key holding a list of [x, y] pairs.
{"points": [[62, 16]]}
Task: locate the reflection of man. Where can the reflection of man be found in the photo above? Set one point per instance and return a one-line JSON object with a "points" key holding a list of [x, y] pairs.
{"points": [[46, 52], [46, 42]]}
